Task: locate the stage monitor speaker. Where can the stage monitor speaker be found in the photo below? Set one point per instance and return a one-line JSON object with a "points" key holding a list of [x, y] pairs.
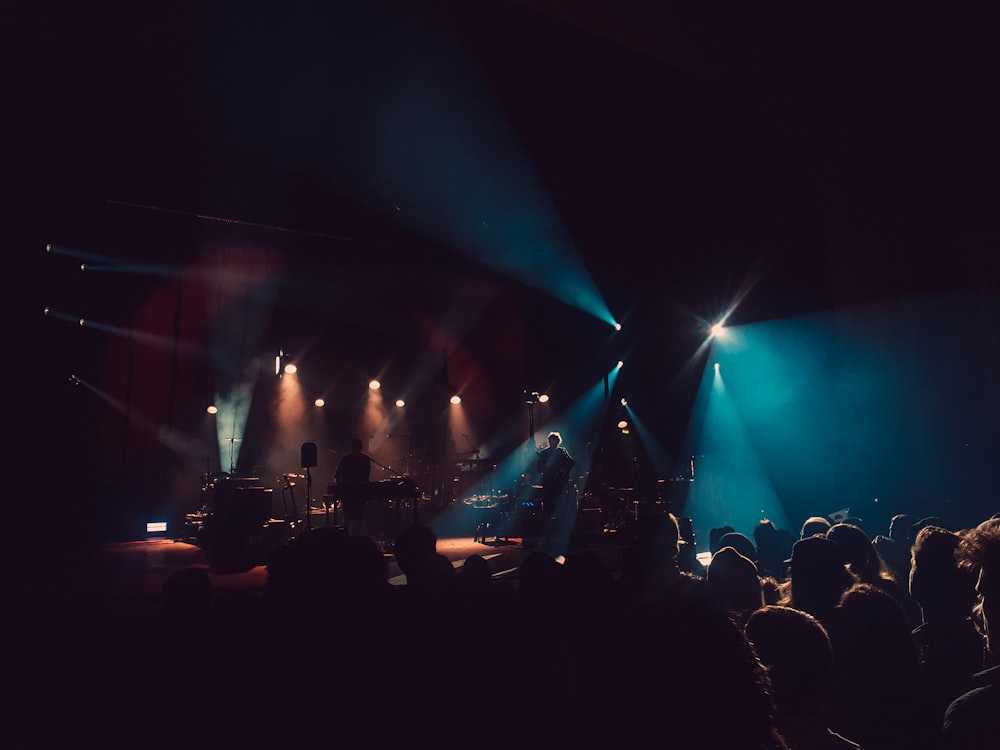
{"points": [[309, 455]]}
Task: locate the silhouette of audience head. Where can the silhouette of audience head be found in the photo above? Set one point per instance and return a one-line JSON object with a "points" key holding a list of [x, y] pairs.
{"points": [[942, 588], [911, 534], [899, 528], [858, 551], [733, 578], [879, 683], [693, 675], [418, 559], [814, 525], [795, 649], [323, 565], [715, 536], [979, 552], [476, 571], [540, 579], [818, 576], [774, 547], [741, 543]]}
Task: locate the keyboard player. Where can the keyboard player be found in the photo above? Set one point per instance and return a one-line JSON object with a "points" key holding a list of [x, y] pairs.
{"points": [[353, 473]]}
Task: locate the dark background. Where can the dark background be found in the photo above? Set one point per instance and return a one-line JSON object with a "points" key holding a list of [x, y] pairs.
{"points": [[820, 158]]}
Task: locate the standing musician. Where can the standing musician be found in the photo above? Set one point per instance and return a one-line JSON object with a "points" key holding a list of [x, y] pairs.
{"points": [[553, 465], [354, 470]]}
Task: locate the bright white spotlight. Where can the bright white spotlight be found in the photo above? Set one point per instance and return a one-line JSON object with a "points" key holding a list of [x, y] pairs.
{"points": [[82, 321], [212, 409], [622, 424], [624, 402], [374, 385], [543, 398], [620, 364], [456, 399], [718, 331], [320, 402], [283, 364], [618, 326], [400, 403], [716, 367]]}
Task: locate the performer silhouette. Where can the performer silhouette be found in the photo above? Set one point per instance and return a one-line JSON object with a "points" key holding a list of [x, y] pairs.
{"points": [[553, 465]]}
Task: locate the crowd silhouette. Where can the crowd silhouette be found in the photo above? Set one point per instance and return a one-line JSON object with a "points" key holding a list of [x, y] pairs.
{"points": [[827, 638]]}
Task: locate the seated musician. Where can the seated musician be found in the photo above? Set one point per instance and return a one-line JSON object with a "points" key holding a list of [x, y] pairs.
{"points": [[354, 470]]}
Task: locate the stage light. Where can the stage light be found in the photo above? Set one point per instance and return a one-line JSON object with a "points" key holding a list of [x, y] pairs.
{"points": [[624, 402], [283, 364], [155, 527], [543, 398], [74, 379], [618, 326], [623, 424], [717, 367], [45, 311], [400, 403], [374, 385], [319, 402], [620, 364], [717, 331], [291, 368], [456, 399], [213, 409], [82, 321]]}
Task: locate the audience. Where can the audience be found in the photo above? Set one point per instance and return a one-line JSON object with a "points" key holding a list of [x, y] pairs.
{"points": [[795, 649], [881, 695], [779, 642], [949, 644], [970, 722], [817, 577], [867, 566]]}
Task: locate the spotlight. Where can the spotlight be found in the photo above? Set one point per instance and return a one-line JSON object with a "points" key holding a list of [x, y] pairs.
{"points": [[400, 403], [212, 409], [374, 385], [717, 331], [543, 398], [623, 425], [283, 364], [716, 366], [618, 326], [624, 402], [75, 380], [456, 399], [320, 402], [620, 364]]}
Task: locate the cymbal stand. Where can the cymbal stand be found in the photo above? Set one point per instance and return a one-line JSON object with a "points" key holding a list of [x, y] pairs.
{"points": [[309, 487]]}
